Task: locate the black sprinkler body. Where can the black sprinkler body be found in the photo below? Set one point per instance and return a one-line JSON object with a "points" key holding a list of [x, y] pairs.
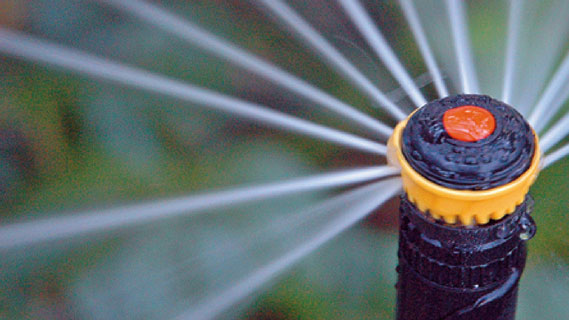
{"points": [[450, 272]]}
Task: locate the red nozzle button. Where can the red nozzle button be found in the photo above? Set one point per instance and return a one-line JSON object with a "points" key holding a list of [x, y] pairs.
{"points": [[469, 123]]}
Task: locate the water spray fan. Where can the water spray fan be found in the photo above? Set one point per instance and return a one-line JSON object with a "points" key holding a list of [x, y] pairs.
{"points": [[467, 163]]}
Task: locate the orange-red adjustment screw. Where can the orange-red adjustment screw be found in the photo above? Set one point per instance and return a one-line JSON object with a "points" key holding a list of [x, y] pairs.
{"points": [[469, 123]]}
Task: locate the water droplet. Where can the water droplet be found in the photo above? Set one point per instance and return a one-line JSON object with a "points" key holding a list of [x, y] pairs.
{"points": [[470, 160], [417, 155], [504, 231], [530, 203], [528, 228]]}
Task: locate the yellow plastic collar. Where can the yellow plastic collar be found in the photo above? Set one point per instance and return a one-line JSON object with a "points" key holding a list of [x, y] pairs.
{"points": [[468, 207]]}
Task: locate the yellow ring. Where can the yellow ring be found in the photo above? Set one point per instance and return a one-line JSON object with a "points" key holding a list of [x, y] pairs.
{"points": [[466, 206]]}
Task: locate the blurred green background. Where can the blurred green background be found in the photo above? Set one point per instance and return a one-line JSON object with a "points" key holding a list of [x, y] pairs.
{"points": [[68, 143]]}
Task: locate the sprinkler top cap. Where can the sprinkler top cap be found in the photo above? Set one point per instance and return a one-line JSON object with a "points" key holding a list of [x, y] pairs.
{"points": [[465, 182], [469, 123], [483, 164]]}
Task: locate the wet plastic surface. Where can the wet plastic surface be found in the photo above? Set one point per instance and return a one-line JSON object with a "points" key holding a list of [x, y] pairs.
{"points": [[468, 165], [448, 272]]}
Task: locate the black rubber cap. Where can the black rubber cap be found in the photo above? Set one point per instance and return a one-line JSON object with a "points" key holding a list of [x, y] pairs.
{"points": [[484, 164]]}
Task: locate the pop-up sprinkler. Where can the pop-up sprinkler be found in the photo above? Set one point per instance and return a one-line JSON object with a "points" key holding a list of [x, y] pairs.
{"points": [[467, 164]]}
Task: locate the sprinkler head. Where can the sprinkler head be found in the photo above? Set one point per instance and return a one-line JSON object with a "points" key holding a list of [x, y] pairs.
{"points": [[466, 159], [467, 162]]}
